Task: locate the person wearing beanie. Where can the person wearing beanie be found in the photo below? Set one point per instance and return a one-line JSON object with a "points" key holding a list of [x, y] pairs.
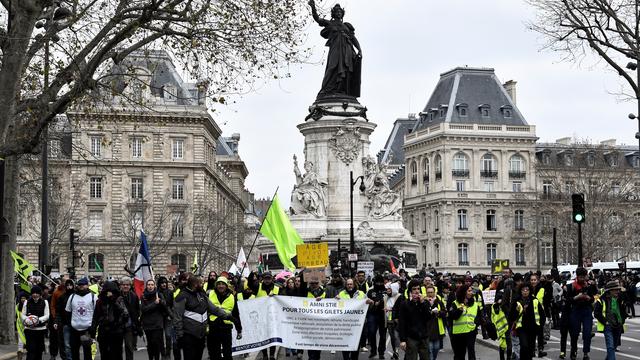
{"points": [[56, 342], [219, 337], [153, 311], [80, 307], [62, 321], [167, 295], [375, 317], [110, 316], [580, 297], [35, 332]]}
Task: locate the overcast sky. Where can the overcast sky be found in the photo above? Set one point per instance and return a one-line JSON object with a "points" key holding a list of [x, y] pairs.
{"points": [[406, 45]]}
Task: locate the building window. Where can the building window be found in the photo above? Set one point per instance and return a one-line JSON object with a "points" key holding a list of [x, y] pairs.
{"points": [[615, 188], [518, 220], [95, 223], [636, 162], [136, 188], [177, 225], [96, 262], [436, 250], [517, 186], [507, 113], [520, 260], [436, 221], [591, 159], [613, 160], [463, 254], [485, 112], [177, 192], [177, 149], [411, 224], [463, 111], [492, 253], [96, 146], [547, 253], [54, 148], [438, 164], [414, 173], [460, 185], [546, 220], [136, 147], [136, 221], [546, 159], [546, 188], [491, 220], [95, 187], [462, 220], [425, 171], [424, 222], [488, 168], [460, 165], [568, 160], [568, 187], [443, 112], [488, 186], [19, 228], [180, 260], [55, 262]]}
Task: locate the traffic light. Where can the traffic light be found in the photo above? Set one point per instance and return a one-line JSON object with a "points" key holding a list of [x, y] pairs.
{"points": [[74, 237], [578, 208]]}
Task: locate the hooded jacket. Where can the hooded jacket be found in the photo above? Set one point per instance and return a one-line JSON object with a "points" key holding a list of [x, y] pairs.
{"points": [[152, 313], [111, 313], [192, 309]]}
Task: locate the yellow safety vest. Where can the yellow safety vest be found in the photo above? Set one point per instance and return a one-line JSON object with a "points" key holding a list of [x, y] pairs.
{"points": [[310, 295], [441, 329], [261, 293], [499, 319], [176, 293], [227, 304], [466, 323], [535, 313], [241, 296], [540, 296], [94, 288], [356, 295], [423, 292]]}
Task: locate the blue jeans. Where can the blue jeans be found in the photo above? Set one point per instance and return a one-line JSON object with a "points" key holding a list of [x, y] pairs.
{"points": [[610, 335], [66, 335], [581, 317], [434, 348]]}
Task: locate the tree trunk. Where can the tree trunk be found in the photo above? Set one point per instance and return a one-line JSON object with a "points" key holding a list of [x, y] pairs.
{"points": [[7, 289]]}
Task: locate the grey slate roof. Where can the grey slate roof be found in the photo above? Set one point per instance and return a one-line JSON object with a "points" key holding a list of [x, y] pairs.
{"points": [[393, 148], [474, 89]]}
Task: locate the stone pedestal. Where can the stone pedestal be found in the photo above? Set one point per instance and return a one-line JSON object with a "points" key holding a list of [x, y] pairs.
{"points": [[337, 142]]}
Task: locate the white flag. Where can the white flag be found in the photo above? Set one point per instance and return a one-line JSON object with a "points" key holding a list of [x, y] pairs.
{"points": [[241, 263]]}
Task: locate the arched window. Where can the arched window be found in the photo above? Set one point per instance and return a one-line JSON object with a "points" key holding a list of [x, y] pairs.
{"points": [[516, 167], [96, 262], [463, 254], [414, 173], [436, 221], [55, 262], [424, 222], [492, 253], [488, 167], [425, 170], [180, 260], [438, 167], [462, 220], [460, 165], [411, 224]]}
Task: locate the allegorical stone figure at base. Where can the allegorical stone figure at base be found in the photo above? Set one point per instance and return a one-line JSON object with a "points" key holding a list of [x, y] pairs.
{"points": [[381, 200], [342, 75], [309, 192]]}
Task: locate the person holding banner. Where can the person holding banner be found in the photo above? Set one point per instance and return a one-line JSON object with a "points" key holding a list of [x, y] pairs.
{"points": [[193, 308], [35, 315], [220, 330]]}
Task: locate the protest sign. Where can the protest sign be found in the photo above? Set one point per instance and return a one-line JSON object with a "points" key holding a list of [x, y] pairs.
{"points": [[497, 265], [300, 323], [489, 296], [312, 255], [367, 267]]}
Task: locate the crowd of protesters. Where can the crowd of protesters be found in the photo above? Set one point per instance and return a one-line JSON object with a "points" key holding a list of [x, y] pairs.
{"points": [[180, 318]]}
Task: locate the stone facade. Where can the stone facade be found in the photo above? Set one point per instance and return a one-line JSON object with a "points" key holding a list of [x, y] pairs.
{"points": [[163, 167]]}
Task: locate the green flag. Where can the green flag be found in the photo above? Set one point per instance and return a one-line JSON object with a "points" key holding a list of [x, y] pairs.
{"points": [[277, 228], [23, 269]]}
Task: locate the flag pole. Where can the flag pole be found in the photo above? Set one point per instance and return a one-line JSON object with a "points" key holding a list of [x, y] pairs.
{"points": [[258, 232]]}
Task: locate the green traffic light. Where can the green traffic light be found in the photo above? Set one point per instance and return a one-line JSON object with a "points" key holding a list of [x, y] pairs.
{"points": [[579, 217]]}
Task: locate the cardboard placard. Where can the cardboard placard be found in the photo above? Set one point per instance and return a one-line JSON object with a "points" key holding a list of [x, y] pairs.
{"points": [[489, 296], [498, 265], [312, 255], [314, 274]]}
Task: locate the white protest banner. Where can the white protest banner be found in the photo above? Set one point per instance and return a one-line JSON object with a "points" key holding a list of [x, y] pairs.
{"points": [[489, 296], [300, 323], [367, 267]]}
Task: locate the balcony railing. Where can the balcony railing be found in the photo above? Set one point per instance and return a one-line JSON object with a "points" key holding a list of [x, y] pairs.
{"points": [[492, 174], [460, 172], [463, 263], [425, 178], [517, 174], [521, 263]]}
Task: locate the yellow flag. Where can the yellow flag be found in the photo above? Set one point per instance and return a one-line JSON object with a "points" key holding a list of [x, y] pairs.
{"points": [[23, 269], [20, 327]]}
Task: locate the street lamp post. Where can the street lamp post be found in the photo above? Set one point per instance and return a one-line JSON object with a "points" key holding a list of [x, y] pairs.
{"points": [[633, 67], [352, 183]]}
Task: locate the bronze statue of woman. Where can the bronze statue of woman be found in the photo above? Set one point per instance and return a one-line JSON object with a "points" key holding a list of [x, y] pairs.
{"points": [[342, 75]]}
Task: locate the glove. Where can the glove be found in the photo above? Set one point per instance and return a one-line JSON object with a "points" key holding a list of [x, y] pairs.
{"points": [[239, 336]]}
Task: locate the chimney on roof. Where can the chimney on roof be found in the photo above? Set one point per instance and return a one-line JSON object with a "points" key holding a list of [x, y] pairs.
{"points": [[510, 87], [564, 141], [609, 142]]}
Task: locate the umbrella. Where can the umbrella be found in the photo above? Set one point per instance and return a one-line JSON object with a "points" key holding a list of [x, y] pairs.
{"points": [[283, 275]]}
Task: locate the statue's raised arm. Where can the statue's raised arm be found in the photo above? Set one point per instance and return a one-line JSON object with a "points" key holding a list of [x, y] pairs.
{"points": [[342, 75]]}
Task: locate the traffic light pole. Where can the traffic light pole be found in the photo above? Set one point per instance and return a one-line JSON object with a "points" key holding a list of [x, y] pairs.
{"points": [[72, 248], [580, 263]]}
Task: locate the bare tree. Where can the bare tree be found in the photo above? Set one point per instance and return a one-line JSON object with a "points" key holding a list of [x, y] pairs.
{"points": [[610, 187], [54, 54]]}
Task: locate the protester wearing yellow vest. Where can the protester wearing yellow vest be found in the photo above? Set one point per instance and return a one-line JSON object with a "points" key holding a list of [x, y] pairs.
{"points": [[435, 326], [538, 293], [499, 320], [220, 330], [610, 315], [528, 315], [464, 313], [350, 292]]}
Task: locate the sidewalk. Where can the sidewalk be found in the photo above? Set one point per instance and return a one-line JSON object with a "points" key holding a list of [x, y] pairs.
{"points": [[8, 352]]}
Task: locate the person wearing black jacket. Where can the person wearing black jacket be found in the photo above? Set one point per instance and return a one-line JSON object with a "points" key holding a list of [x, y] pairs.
{"points": [[167, 295], [414, 315], [375, 317], [154, 311], [220, 330], [528, 316], [63, 318], [192, 309], [132, 328], [110, 317], [580, 297]]}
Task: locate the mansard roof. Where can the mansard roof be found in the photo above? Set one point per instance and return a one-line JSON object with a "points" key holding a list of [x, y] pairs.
{"points": [[476, 90], [393, 151]]}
